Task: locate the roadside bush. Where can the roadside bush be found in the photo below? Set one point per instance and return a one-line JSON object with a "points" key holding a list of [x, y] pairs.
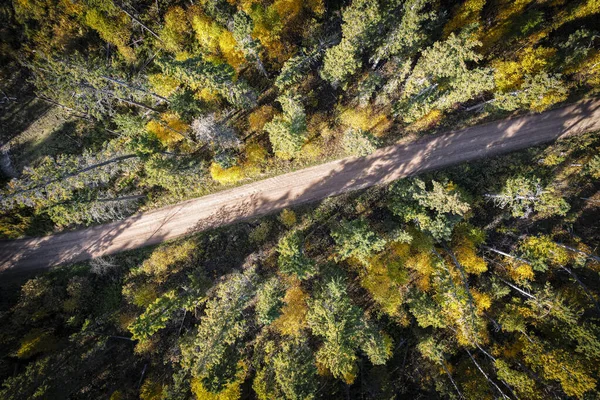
{"points": [[259, 117], [287, 218], [227, 176], [359, 143]]}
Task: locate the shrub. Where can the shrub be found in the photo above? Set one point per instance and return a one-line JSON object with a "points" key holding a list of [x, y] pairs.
{"points": [[259, 117], [359, 143], [227, 176], [287, 218], [366, 119], [255, 153], [428, 121]]}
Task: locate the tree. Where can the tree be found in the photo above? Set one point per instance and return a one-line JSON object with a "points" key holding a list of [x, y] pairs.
{"points": [[354, 239], [295, 370], [361, 19], [292, 320], [88, 86], [284, 369], [292, 260], [287, 131], [523, 196], [344, 329], [113, 26], [465, 14], [198, 73], [410, 35], [359, 143], [175, 32], [209, 130], [269, 301], [211, 354], [296, 68], [55, 180], [559, 365], [442, 78], [538, 93], [436, 210], [242, 32], [433, 351], [333, 317], [542, 252]]}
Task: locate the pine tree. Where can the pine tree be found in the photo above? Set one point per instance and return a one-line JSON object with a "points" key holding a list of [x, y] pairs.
{"points": [[211, 355], [344, 329], [287, 131], [292, 260], [410, 35], [269, 301], [523, 196], [442, 78], [354, 239], [361, 19], [197, 73], [435, 211]]}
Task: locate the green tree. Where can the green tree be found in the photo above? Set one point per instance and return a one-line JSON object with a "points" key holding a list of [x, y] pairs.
{"points": [[242, 32], [442, 77], [89, 87], [198, 73], [359, 143], [344, 330], [269, 301], [56, 180], [359, 29], [355, 239], [410, 35], [537, 93], [436, 210], [295, 370], [284, 370], [287, 131], [523, 196], [211, 354], [292, 260]]}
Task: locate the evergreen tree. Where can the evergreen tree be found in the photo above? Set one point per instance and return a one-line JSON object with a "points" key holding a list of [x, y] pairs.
{"points": [[436, 211], [410, 35], [287, 131], [292, 260], [354, 239], [442, 78], [198, 73], [269, 301], [359, 29], [523, 196], [211, 354]]}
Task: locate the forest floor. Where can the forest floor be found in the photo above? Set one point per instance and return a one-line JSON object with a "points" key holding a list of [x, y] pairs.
{"points": [[306, 185]]}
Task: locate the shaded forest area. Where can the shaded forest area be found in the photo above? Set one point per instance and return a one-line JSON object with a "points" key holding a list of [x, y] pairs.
{"points": [[477, 282], [114, 106]]}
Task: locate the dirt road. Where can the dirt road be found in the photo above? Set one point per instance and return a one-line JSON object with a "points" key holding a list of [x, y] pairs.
{"points": [[302, 186]]}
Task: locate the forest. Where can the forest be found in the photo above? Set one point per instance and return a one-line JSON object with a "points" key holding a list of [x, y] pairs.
{"points": [[110, 107], [480, 281]]}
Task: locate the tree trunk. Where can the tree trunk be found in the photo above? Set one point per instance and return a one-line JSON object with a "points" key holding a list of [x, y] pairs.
{"points": [[81, 171], [486, 375], [140, 23], [125, 84]]}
